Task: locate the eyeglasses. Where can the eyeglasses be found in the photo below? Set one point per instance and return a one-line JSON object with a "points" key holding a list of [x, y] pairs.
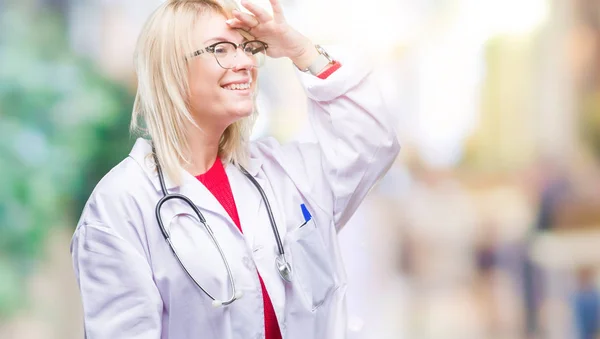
{"points": [[226, 52]]}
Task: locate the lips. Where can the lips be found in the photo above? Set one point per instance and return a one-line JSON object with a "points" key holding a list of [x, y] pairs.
{"points": [[239, 86], [243, 81]]}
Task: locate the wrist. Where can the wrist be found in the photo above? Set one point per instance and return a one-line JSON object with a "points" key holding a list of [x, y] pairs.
{"points": [[308, 55]]}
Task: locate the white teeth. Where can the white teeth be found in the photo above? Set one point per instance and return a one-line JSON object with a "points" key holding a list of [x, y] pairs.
{"points": [[237, 86]]}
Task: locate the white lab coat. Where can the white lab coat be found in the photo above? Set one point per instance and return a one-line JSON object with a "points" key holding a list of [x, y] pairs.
{"points": [[131, 284]]}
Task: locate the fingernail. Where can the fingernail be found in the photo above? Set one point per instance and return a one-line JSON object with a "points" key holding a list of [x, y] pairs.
{"points": [[229, 22]]}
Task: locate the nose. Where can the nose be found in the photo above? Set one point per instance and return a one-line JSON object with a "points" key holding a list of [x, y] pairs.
{"points": [[243, 61]]}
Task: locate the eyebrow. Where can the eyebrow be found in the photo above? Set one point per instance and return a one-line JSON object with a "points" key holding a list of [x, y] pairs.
{"points": [[219, 39]]}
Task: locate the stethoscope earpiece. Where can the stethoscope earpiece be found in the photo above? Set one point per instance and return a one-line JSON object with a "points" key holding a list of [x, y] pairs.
{"points": [[218, 303]]}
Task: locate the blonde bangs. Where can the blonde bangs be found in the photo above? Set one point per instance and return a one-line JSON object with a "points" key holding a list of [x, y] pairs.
{"points": [[161, 108]]}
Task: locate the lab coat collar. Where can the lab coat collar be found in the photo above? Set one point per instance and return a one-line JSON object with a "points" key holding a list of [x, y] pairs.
{"points": [[142, 154], [253, 166], [202, 197]]}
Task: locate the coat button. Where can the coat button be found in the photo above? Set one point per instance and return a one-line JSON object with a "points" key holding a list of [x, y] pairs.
{"points": [[248, 263]]}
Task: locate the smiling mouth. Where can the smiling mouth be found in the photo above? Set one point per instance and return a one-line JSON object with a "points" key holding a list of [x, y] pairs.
{"points": [[237, 87]]}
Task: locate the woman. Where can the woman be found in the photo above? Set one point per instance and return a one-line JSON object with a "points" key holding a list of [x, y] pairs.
{"points": [[266, 264]]}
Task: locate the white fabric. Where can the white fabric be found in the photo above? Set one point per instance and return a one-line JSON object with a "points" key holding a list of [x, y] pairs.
{"points": [[131, 284]]}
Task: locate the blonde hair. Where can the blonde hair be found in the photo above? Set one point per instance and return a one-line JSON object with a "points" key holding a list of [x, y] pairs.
{"points": [[161, 107]]}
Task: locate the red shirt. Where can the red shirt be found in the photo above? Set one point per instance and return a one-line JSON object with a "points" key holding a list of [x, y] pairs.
{"points": [[216, 181]]}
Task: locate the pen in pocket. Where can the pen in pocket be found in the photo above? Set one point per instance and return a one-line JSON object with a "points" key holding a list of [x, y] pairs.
{"points": [[305, 214]]}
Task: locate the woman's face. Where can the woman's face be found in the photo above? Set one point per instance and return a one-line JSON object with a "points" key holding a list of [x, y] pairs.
{"points": [[219, 96]]}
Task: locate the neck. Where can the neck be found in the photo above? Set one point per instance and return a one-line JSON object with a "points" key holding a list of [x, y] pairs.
{"points": [[204, 147]]}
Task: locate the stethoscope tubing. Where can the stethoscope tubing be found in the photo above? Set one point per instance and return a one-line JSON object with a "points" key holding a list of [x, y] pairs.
{"points": [[282, 265], [166, 197], [269, 211]]}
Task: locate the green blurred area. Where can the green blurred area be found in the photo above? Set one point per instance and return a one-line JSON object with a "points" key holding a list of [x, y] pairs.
{"points": [[63, 125]]}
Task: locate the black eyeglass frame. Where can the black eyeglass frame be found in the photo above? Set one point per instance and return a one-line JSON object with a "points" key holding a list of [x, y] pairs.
{"points": [[211, 49]]}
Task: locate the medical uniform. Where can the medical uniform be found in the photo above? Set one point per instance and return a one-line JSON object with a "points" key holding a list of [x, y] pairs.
{"points": [[133, 287]]}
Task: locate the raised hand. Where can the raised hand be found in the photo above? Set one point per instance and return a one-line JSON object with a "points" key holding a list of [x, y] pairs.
{"points": [[283, 40]]}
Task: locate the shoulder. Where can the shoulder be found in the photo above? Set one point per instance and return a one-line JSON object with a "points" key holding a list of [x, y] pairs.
{"points": [[270, 151], [264, 148], [121, 178], [113, 214], [116, 195], [296, 162], [291, 157]]}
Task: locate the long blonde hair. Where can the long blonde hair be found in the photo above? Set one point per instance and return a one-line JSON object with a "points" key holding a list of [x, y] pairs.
{"points": [[161, 108]]}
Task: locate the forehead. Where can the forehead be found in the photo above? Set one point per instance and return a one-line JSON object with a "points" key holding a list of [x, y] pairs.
{"points": [[211, 26]]}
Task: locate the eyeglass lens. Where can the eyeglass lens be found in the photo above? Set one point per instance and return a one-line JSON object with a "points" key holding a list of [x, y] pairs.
{"points": [[226, 53]]}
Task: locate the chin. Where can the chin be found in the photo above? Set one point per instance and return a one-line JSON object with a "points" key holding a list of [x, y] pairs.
{"points": [[235, 116], [243, 111]]}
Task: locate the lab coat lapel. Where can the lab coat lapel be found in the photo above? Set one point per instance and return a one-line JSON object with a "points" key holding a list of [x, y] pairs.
{"points": [[247, 201], [257, 228], [251, 207]]}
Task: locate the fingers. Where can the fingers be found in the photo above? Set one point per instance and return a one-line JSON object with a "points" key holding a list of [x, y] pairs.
{"points": [[237, 23], [241, 27], [277, 11], [243, 20], [258, 12]]}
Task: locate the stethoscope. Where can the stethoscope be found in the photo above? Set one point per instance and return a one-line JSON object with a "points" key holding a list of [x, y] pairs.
{"points": [[283, 266]]}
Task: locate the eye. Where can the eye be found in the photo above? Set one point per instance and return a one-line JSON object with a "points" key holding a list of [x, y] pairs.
{"points": [[220, 49], [254, 47]]}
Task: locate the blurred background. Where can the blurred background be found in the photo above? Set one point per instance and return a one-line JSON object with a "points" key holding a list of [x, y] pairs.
{"points": [[487, 225]]}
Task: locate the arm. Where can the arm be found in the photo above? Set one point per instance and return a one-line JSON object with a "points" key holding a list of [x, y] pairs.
{"points": [[120, 299], [356, 142]]}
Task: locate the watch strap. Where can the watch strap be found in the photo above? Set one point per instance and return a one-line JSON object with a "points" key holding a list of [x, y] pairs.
{"points": [[329, 70], [320, 63]]}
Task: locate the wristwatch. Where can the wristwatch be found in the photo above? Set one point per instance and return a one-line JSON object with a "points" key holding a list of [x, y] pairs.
{"points": [[322, 61]]}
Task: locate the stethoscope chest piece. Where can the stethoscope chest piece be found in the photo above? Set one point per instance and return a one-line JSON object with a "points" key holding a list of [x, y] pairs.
{"points": [[284, 268]]}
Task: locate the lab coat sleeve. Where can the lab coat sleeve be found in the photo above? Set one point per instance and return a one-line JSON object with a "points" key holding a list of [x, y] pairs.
{"points": [[356, 142], [119, 297]]}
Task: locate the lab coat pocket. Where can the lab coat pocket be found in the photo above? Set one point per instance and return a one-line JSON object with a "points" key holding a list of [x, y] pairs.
{"points": [[312, 268]]}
